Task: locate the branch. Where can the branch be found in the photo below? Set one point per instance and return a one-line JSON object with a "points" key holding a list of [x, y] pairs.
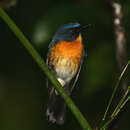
{"points": [[120, 40], [24, 41]]}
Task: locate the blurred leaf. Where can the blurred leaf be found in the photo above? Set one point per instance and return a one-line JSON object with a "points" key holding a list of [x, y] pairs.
{"points": [[7, 3]]}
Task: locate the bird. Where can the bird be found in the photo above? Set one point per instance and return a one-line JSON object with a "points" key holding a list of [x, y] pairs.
{"points": [[64, 59]]}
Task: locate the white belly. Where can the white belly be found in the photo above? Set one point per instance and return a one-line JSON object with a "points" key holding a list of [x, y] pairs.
{"points": [[65, 69]]}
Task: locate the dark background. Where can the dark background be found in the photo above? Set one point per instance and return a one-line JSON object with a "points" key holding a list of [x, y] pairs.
{"points": [[23, 92]]}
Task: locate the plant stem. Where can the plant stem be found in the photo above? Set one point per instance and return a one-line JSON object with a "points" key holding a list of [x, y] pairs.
{"points": [[114, 91], [25, 42], [106, 124], [117, 109], [121, 104]]}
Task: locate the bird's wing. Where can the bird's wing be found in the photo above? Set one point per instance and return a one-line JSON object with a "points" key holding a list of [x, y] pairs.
{"points": [[48, 84], [77, 75]]}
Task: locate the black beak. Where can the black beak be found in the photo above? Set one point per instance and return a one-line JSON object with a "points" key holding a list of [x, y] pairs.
{"points": [[85, 26]]}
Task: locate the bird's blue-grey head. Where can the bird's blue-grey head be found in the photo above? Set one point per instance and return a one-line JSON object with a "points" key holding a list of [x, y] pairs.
{"points": [[69, 32]]}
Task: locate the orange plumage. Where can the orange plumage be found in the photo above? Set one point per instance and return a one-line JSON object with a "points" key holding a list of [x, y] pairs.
{"points": [[68, 50]]}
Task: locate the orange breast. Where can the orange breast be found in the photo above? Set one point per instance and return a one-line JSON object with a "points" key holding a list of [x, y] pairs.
{"points": [[68, 50]]}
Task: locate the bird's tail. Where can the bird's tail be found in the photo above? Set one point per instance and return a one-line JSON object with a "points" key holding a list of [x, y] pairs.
{"points": [[56, 108]]}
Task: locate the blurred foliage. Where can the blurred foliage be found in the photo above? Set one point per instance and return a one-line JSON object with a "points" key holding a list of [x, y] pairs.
{"points": [[7, 3], [23, 93]]}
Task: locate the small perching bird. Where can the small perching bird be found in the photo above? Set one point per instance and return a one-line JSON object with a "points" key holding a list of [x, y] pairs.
{"points": [[65, 57]]}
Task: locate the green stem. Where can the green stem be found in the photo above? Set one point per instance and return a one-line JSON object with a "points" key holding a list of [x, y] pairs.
{"points": [[117, 109], [111, 119], [104, 127], [114, 91], [83, 122], [123, 104]]}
